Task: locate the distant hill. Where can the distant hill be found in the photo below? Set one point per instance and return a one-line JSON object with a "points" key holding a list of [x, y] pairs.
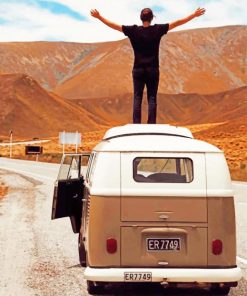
{"points": [[183, 109], [30, 111], [47, 62], [203, 61]]}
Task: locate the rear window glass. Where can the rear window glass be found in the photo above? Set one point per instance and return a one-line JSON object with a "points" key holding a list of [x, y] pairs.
{"points": [[162, 170]]}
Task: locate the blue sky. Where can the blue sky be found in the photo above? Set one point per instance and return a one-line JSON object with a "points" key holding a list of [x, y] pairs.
{"points": [[70, 20], [59, 9]]}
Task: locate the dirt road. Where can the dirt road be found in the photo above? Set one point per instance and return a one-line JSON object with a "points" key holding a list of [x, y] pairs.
{"points": [[39, 256]]}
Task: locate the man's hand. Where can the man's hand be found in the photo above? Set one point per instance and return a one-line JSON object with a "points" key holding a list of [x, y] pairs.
{"points": [[199, 12], [95, 13]]}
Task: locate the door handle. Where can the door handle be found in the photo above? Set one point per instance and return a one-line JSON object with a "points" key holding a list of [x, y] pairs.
{"points": [[164, 217], [163, 263]]}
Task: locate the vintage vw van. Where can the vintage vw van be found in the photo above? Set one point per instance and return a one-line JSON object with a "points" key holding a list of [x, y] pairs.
{"points": [[153, 205]]}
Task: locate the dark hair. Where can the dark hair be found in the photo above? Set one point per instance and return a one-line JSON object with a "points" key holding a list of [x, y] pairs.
{"points": [[146, 15]]}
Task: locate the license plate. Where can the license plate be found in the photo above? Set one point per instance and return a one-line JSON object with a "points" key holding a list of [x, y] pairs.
{"points": [[163, 244], [138, 276]]}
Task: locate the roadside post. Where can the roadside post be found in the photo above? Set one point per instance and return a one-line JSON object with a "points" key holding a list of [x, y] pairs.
{"points": [[70, 138], [76, 145], [10, 143]]}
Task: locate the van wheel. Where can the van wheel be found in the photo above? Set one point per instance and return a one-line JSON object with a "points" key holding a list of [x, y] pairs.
{"points": [[94, 288], [81, 251], [220, 291]]}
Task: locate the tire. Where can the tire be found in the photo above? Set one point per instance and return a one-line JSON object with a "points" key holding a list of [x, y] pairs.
{"points": [[82, 252], [220, 291], [95, 289]]}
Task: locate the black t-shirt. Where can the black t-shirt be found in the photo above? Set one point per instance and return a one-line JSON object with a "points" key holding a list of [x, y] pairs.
{"points": [[145, 42]]}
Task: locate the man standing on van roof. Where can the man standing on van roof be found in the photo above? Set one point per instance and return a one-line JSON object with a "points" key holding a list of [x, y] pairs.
{"points": [[145, 41]]}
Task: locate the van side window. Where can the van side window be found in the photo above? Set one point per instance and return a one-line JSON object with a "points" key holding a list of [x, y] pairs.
{"points": [[162, 170], [69, 168], [92, 169], [84, 164], [89, 166]]}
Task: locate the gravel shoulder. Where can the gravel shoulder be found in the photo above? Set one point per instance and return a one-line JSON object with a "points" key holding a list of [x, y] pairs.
{"points": [[38, 256]]}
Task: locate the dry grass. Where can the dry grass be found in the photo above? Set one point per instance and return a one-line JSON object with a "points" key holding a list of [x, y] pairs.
{"points": [[3, 190], [233, 141]]}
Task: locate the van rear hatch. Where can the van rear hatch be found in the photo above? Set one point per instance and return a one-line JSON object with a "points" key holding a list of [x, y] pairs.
{"points": [[165, 230], [161, 208]]}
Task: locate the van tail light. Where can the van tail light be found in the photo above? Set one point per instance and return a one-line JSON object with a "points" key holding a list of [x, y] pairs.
{"points": [[111, 245], [217, 247]]}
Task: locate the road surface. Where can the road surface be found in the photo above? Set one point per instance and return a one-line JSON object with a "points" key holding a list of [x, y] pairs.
{"points": [[39, 256]]}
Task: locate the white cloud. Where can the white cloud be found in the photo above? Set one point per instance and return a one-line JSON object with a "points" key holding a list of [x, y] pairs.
{"points": [[25, 21]]}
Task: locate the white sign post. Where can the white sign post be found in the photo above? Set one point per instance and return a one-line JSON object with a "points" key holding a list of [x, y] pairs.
{"points": [[70, 138]]}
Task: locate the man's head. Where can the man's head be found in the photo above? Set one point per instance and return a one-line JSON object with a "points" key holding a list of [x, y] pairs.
{"points": [[146, 15]]}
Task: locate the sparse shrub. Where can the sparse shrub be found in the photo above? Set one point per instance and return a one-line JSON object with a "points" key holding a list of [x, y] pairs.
{"points": [[242, 166]]}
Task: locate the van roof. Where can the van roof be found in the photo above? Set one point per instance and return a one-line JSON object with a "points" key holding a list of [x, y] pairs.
{"points": [[145, 129], [152, 138]]}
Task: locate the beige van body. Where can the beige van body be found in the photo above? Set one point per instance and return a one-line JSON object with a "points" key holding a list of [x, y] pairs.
{"points": [[158, 207]]}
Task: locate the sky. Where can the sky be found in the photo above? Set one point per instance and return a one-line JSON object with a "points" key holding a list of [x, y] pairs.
{"points": [[70, 20]]}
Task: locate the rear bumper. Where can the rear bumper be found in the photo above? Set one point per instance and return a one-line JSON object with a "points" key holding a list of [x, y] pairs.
{"points": [[170, 275]]}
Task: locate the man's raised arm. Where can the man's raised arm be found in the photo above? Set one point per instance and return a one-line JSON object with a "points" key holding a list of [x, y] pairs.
{"points": [[96, 14], [198, 12]]}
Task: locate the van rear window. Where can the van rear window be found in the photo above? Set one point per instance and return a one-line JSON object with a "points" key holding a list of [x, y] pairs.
{"points": [[162, 170]]}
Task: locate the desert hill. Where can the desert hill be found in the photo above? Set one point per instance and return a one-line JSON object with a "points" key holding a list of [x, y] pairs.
{"points": [[203, 61], [220, 119], [47, 62], [88, 88], [194, 61], [30, 111], [180, 109]]}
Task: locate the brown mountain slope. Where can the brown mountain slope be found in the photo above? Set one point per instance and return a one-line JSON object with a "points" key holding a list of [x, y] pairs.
{"points": [[30, 111], [198, 109], [181, 109], [206, 60], [201, 61], [220, 119], [47, 62]]}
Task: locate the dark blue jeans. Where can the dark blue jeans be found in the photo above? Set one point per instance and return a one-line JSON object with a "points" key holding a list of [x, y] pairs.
{"points": [[150, 78]]}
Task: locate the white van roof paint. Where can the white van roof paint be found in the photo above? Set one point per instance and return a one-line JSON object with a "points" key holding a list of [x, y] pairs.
{"points": [[121, 145], [144, 138], [147, 128]]}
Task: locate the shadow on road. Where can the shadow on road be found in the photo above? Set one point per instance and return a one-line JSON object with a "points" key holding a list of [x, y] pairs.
{"points": [[153, 290]]}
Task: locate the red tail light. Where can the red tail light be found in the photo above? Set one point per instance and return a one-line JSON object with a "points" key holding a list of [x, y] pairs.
{"points": [[217, 247], [111, 245]]}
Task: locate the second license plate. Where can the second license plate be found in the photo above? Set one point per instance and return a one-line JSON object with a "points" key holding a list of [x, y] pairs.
{"points": [[163, 244], [138, 277]]}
